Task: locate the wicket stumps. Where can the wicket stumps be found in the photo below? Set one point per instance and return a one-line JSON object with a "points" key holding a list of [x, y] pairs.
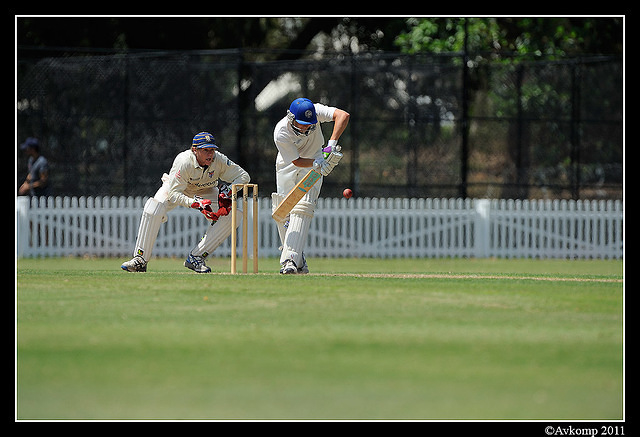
{"points": [[245, 225]]}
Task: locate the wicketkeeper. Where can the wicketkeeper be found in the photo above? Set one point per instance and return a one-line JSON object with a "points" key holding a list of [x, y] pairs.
{"points": [[300, 142], [192, 182]]}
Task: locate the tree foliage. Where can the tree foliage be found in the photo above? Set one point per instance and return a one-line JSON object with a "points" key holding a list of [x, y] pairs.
{"points": [[539, 36]]}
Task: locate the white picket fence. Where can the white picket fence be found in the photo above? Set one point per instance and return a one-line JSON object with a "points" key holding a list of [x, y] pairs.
{"points": [[363, 227]]}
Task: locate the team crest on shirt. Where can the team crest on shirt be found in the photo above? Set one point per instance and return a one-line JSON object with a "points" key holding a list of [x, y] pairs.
{"points": [[211, 173]]}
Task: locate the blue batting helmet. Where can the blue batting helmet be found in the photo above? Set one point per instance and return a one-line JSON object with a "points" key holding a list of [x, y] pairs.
{"points": [[303, 111]]}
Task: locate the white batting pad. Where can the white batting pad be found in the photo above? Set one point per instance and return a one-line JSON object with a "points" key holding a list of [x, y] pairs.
{"points": [[296, 236], [276, 199], [153, 215]]}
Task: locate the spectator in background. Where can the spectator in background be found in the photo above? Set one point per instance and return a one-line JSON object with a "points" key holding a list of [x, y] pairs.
{"points": [[37, 181]]}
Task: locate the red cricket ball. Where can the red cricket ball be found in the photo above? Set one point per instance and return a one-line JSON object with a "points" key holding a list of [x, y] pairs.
{"points": [[347, 193]]}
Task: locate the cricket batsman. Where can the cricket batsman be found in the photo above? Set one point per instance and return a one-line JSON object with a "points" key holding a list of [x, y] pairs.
{"points": [[300, 142], [192, 182]]}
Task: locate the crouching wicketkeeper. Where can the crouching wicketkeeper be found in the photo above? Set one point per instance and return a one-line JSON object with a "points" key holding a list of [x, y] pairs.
{"points": [[192, 182]]}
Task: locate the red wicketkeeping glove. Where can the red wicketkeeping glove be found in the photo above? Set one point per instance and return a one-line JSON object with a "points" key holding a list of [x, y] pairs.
{"points": [[224, 204], [204, 206]]}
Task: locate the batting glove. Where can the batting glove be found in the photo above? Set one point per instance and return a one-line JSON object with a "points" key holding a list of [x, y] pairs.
{"points": [[332, 146], [325, 166]]}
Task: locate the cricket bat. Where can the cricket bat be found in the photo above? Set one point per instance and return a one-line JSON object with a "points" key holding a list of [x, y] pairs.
{"points": [[294, 196]]}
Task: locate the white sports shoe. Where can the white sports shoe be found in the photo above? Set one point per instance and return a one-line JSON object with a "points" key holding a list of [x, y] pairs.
{"points": [[135, 264], [196, 263], [288, 268]]}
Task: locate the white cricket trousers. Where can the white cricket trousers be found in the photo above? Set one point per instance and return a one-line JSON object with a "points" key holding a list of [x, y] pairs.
{"points": [[294, 232]]}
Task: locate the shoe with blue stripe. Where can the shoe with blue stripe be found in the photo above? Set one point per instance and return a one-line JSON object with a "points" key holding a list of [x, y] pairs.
{"points": [[196, 263]]}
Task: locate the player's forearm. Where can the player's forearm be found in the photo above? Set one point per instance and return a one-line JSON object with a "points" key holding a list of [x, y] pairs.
{"points": [[175, 191], [303, 162], [180, 198], [341, 120]]}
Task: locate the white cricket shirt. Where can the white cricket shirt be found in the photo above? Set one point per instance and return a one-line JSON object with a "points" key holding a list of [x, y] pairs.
{"points": [[187, 178]]}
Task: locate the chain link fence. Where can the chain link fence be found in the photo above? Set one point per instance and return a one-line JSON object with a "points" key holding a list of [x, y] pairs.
{"points": [[421, 125]]}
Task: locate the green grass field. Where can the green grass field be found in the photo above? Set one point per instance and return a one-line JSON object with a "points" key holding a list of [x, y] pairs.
{"points": [[451, 339]]}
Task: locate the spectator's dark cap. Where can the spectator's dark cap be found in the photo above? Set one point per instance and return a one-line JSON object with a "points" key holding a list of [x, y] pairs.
{"points": [[30, 142]]}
